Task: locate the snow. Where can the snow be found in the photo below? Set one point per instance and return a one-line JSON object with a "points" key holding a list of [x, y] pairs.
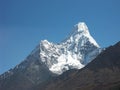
{"points": [[92, 40], [64, 63], [46, 44], [75, 52], [81, 26]]}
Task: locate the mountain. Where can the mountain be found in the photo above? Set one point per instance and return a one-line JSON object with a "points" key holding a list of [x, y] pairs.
{"points": [[74, 52], [103, 73], [49, 60]]}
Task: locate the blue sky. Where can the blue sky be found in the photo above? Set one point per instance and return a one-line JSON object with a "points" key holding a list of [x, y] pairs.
{"points": [[24, 23]]}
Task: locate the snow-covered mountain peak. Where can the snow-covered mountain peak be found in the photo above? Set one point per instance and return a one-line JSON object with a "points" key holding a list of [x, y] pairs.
{"points": [[74, 52], [81, 27], [80, 35]]}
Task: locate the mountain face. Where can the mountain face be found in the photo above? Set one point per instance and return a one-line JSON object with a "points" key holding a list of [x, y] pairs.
{"points": [[103, 73], [74, 52], [49, 60]]}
